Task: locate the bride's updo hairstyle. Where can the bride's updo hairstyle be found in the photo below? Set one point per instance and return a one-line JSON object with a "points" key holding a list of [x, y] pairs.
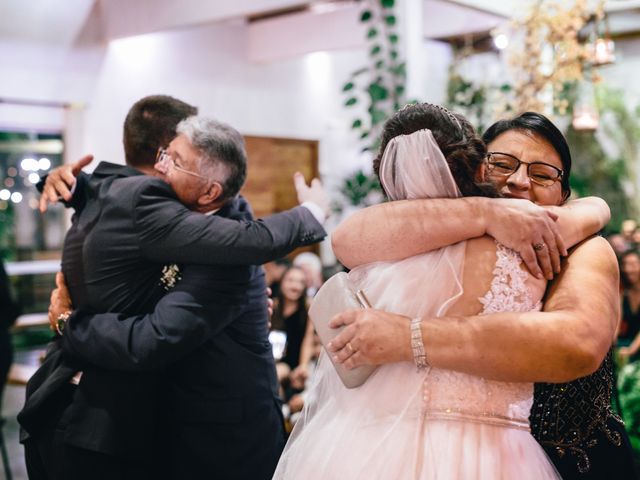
{"points": [[461, 146]]}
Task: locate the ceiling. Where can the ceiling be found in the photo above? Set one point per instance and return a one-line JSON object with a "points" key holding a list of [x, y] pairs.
{"points": [[78, 22]]}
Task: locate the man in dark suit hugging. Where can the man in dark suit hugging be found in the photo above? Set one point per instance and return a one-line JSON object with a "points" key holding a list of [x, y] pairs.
{"points": [[181, 385]]}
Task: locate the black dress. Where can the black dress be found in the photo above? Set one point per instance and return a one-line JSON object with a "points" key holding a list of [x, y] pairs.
{"points": [[575, 425], [295, 325]]}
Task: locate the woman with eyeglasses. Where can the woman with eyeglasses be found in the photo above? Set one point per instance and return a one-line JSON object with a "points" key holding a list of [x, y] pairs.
{"points": [[570, 339]]}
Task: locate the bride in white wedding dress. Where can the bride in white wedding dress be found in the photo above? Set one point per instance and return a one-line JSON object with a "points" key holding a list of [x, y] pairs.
{"points": [[409, 422]]}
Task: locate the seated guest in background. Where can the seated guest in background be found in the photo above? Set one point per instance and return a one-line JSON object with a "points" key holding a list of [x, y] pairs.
{"points": [[628, 229], [290, 317], [122, 248], [9, 311], [618, 243], [310, 263], [273, 274], [629, 327]]}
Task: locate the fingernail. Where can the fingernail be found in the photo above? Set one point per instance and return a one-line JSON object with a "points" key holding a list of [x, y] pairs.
{"points": [[539, 276], [335, 359], [330, 346]]}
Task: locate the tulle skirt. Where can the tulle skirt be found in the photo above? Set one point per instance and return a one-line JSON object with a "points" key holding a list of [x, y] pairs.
{"points": [[377, 431]]}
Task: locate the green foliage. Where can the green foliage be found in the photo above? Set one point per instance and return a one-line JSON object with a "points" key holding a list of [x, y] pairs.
{"points": [[629, 394], [380, 85], [361, 189], [608, 173]]}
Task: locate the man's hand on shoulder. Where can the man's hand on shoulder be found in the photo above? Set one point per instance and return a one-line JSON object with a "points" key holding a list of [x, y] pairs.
{"points": [[313, 193], [60, 182]]}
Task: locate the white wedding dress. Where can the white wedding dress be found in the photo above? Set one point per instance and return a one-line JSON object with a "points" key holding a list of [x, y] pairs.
{"points": [[437, 424], [431, 424]]}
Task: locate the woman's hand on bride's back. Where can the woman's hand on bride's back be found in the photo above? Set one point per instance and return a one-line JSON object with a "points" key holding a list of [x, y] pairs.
{"points": [[528, 229], [370, 337]]}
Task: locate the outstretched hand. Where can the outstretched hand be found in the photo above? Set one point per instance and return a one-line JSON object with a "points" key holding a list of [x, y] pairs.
{"points": [[370, 337], [60, 181], [311, 193], [531, 231], [60, 301]]}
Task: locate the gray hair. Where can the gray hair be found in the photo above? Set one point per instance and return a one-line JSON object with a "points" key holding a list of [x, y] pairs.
{"points": [[223, 155]]}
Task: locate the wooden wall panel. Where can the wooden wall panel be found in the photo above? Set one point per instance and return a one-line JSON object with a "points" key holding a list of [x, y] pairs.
{"points": [[272, 163]]}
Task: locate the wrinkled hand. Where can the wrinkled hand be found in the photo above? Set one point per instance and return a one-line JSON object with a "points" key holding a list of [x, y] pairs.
{"points": [[370, 337], [312, 193], [60, 181], [521, 224], [60, 301]]}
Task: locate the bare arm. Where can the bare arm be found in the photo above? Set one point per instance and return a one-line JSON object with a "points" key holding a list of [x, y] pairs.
{"points": [[397, 230], [567, 340], [581, 218]]}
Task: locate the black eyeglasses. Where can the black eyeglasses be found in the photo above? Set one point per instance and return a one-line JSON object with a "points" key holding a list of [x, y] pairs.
{"points": [[540, 173]]}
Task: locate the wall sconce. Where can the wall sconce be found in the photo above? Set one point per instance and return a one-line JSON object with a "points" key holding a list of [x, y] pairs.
{"points": [[585, 118], [601, 52], [601, 49]]}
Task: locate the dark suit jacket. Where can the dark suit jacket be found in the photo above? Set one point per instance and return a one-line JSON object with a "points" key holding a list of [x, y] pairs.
{"points": [[130, 227], [219, 391]]}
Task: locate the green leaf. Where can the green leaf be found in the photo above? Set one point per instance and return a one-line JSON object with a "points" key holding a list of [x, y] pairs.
{"points": [[399, 70], [379, 64], [364, 135], [351, 101], [366, 16], [390, 20], [393, 38], [399, 89], [372, 32], [387, 3], [377, 92], [357, 123], [393, 54], [505, 87], [348, 86], [378, 116], [375, 50]]}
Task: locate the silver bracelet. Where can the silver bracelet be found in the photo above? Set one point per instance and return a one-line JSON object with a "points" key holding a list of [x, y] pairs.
{"points": [[417, 345]]}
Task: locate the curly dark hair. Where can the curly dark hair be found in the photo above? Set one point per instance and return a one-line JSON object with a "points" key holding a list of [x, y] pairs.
{"points": [[461, 146]]}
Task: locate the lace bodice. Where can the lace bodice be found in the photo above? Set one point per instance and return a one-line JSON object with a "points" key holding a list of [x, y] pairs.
{"points": [[449, 394]]}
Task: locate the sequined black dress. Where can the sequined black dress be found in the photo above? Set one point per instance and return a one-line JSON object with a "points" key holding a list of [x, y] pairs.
{"points": [[575, 425]]}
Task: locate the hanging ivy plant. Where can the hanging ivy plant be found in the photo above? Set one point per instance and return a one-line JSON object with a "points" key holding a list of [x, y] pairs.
{"points": [[380, 85]]}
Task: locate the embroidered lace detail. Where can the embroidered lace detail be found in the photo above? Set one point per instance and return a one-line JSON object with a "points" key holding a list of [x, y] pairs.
{"points": [[458, 396], [509, 292]]}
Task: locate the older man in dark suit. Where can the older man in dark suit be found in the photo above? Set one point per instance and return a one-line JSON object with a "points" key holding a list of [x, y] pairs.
{"points": [[132, 227]]}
